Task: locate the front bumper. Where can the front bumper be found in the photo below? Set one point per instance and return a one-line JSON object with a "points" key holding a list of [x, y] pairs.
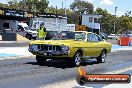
{"points": [[49, 53]]}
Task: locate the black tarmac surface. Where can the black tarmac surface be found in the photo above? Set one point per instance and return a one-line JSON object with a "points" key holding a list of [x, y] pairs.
{"points": [[26, 73]]}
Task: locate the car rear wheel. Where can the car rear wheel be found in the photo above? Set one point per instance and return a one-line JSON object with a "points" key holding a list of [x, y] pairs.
{"points": [[102, 57], [29, 36], [40, 60]]}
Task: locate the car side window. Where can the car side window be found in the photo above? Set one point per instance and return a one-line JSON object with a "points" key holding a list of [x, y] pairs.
{"points": [[20, 28], [93, 38], [90, 37]]}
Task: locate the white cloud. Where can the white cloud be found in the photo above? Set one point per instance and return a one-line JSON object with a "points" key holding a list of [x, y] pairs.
{"points": [[120, 13], [89, 0], [107, 2]]}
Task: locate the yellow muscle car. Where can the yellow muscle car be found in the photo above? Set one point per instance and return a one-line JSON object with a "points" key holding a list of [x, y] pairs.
{"points": [[71, 46]]}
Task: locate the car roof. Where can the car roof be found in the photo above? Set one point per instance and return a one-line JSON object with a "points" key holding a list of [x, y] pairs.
{"points": [[77, 31], [85, 32]]}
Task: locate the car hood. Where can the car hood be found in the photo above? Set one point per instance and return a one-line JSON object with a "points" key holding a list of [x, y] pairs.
{"points": [[31, 31], [57, 42]]}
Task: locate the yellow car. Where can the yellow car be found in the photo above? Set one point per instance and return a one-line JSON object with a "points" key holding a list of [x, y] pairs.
{"points": [[72, 47]]}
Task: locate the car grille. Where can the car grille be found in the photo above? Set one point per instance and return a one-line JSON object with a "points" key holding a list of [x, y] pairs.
{"points": [[49, 47]]}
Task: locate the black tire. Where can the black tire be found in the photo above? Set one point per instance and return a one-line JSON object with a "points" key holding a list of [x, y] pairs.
{"points": [[102, 57], [40, 60], [34, 38], [29, 36], [76, 61]]}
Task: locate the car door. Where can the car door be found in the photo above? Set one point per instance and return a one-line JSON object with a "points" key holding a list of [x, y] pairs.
{"points": [[93, 45]]}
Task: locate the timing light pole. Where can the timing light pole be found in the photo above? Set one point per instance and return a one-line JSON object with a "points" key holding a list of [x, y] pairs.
{"points": [[115, 20], [65, 7]]}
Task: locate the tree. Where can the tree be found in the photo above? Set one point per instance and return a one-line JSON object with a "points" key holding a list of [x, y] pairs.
{"points": [[125, 23], [3, 5], [107, 21], [13, 4], [41, 5], [37, 6], [82, 6], [51, 9]]}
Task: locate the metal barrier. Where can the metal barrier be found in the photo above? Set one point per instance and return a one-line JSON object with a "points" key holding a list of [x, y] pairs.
{"points": [[124, 41]]}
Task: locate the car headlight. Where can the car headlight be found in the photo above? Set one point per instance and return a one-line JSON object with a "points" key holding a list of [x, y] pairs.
{"points": [[33, 47], [64, 48]]}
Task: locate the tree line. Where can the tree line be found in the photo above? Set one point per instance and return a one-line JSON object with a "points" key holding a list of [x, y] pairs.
{"points": [[78, 7]]}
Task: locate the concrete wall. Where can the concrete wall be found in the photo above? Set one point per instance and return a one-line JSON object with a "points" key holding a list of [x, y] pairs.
{"points": [[12, 37], [12, 24], [9, 37]]}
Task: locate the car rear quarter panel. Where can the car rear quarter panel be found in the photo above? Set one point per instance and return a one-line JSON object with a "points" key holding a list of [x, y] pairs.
{"points": [[107, 46]]}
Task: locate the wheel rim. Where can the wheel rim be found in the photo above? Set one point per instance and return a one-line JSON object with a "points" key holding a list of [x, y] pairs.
{"points": [[28, 37], [103, 56], [77, 58]]}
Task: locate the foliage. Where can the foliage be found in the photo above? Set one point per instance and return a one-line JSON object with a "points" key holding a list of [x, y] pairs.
{"points": [[123, 23], [36, 6], [82, 6], [107, 20]]}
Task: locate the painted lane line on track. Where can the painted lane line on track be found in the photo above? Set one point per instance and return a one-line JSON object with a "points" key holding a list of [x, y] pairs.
{"points": [[23, 51], [16, 57], [73, 84], [15, 50], [120, 70]]}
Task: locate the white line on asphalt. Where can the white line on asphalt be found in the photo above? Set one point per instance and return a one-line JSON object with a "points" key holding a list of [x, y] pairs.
{"points": [[16, 57], [121, 49], [120, 70], [23, 51]]}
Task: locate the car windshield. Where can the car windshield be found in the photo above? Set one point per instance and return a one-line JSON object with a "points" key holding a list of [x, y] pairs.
{"points": [[70, 35], [27, 28], [33, 29], [51, 32]]}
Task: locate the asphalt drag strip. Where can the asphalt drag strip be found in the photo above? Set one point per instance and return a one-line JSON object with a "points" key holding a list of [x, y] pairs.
{"points": [[73, 84], [26, 73]]}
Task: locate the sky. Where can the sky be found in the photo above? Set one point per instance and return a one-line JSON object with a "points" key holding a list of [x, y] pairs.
{"points": [[122, 5]]}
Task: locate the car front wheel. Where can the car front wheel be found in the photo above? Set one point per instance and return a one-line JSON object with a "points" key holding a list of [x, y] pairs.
{"points": [[40, 60], [102, 57], [77, 59]]}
